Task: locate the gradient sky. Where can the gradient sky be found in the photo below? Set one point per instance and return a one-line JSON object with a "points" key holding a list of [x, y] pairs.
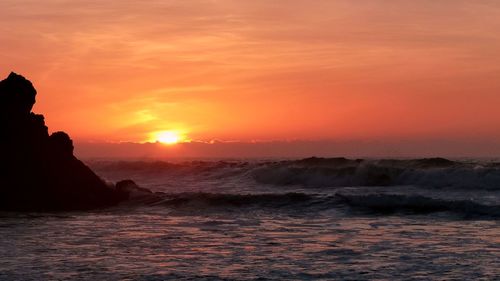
{"points": [[260, 70]]}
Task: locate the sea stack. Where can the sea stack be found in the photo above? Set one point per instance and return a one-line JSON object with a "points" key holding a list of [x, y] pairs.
{"points": [[38, 171]]}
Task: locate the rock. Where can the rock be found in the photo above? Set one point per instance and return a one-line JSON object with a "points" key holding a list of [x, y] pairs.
{"points": [[61, 145], [17, 95], [39, 172], [130, 190]]}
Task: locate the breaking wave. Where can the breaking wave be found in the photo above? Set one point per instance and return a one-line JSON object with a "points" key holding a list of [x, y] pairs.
{"points": [[341, 172], [316, 184], [327, 172]]}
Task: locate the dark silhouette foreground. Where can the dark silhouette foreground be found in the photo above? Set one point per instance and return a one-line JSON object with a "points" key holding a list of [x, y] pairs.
{"points": [[38, 171]]}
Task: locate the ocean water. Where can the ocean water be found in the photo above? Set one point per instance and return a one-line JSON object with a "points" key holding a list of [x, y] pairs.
{"points": [[310, 219]]}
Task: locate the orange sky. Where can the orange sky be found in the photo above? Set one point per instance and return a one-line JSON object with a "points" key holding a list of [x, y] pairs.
{"points": [[259, 70]]}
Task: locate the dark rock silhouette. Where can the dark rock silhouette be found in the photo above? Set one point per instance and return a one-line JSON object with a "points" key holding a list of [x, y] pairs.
{"points": [[38, 171], [131, 190]]}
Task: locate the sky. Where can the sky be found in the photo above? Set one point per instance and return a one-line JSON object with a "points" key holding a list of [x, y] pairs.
{"points": [[365, 71]]}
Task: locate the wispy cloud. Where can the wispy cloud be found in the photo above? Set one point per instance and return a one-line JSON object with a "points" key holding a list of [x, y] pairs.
{"points": [[259, 69]]}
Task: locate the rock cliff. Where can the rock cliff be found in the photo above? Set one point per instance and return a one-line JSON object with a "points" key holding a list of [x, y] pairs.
{"points": [[38, 171]]}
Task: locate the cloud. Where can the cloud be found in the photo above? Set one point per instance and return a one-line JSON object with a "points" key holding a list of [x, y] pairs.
{"points": [[258, 69]]}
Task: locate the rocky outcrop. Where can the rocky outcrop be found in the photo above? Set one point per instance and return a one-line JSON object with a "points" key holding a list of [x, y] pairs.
{"points": [[131, 190], [38, 171]]}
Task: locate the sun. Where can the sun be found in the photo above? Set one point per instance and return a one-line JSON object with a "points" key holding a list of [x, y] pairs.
{"points": [[168, 137]]}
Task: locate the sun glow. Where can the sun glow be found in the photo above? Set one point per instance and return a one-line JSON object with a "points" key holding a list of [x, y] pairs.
{"points": [[168, 137]]}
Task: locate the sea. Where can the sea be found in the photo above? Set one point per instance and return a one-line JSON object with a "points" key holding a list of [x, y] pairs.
{"points": [[271, 219]]}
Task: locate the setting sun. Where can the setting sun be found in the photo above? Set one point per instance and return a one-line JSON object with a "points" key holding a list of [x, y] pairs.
{"points": [[168, 137]]}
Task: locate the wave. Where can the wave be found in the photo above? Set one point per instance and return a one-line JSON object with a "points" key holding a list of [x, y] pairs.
{"points": [[341, 172], [300, 202], [223, 200], [189, 167], [323, 172], [295, 201], [393, 203]]}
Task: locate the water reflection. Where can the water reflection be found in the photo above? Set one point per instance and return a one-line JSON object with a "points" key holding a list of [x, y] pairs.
{"points": [[154, 243]]}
